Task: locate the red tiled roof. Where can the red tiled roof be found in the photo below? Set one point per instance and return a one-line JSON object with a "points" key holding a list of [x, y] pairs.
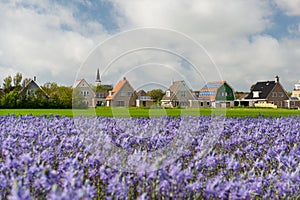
{"points": [[116, 89]]}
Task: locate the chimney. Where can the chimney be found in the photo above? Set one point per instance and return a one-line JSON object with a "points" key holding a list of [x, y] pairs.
{"points": [[34, 78], [124, 78], [276, 79]]}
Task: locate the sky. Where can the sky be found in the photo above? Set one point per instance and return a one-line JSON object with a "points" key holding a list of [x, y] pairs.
{"points": [[151, 42]]}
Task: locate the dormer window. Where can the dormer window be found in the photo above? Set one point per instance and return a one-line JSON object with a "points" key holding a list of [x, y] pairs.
{"points": [[168, 93], [255, 94]]}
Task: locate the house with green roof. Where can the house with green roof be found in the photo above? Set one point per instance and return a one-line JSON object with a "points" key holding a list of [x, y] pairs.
{"points": [[216, 94]]}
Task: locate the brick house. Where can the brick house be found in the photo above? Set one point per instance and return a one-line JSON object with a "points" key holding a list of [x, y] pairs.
{"points": [[83, 88], [122, 95], [267, 94], [179, 94]]}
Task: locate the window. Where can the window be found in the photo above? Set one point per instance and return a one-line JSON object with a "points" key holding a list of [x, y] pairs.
{"points": [[182, 94], [84, 93], [280, 94], [122, 94], [130, 94], [168, 93], [120, 103], [274, 94], [255, 94], [207, 103], [292, 103], [201, 104]]}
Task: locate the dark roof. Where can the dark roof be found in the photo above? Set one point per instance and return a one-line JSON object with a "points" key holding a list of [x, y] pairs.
{"points": [[264, 88]]}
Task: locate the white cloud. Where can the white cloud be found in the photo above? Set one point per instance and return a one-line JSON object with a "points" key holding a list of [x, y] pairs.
{"points": [[290, 7], [233, 32], [203, 19], [43, 38]]}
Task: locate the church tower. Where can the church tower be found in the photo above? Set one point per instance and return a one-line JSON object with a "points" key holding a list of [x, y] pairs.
{"points": [[98, 81]]}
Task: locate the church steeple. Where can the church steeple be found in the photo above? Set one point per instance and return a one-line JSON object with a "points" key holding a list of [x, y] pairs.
{"points": [[98, 81]]}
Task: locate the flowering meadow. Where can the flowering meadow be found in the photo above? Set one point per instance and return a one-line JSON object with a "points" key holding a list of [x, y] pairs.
{"points": [[54, 157]]}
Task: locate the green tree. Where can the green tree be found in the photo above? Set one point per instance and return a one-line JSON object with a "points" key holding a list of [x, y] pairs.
{"points": [[17, 80], [7, 84], [65, 96], [102, 88], [10, 99], [156, 94]]}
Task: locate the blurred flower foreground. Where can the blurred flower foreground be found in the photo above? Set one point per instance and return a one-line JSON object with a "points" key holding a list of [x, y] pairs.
{"points": [[50, 157]]}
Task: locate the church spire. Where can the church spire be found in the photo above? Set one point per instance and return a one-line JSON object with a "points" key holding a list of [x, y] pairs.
{"points": [[98, 81]]}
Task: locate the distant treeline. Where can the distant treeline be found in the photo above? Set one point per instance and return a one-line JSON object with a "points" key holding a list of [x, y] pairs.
{"points": [[19, 93]]}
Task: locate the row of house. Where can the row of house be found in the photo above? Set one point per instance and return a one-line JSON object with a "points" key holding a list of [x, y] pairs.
{"points": [[216, 94]]}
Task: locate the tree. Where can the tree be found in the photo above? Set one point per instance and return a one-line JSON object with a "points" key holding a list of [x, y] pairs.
{"points": [[65, 96], [25, 81], [7, 84], [156, 94], [10, 99], [17, 80]]}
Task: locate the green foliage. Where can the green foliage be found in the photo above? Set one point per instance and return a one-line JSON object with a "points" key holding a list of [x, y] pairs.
{"points": [[156, 94], [7, 84], [17, 80], [102, 88], [49, 96], [10, 99]]}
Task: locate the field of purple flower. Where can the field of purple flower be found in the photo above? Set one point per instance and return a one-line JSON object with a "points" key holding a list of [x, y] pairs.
{"points": [[51, 157]]}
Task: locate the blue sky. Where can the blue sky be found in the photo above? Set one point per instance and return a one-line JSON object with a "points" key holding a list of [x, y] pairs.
{"points": [[241, 41]]}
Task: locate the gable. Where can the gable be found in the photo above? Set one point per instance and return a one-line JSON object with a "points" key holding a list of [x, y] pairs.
{"points": [[123, 89], [183, 93], [225, 92], [277, 93], [31, 87], [82, 84], [216, 90], [178, 91]]}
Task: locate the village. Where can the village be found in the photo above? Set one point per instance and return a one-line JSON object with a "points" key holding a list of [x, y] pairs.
{"points": [[215, 94]]}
